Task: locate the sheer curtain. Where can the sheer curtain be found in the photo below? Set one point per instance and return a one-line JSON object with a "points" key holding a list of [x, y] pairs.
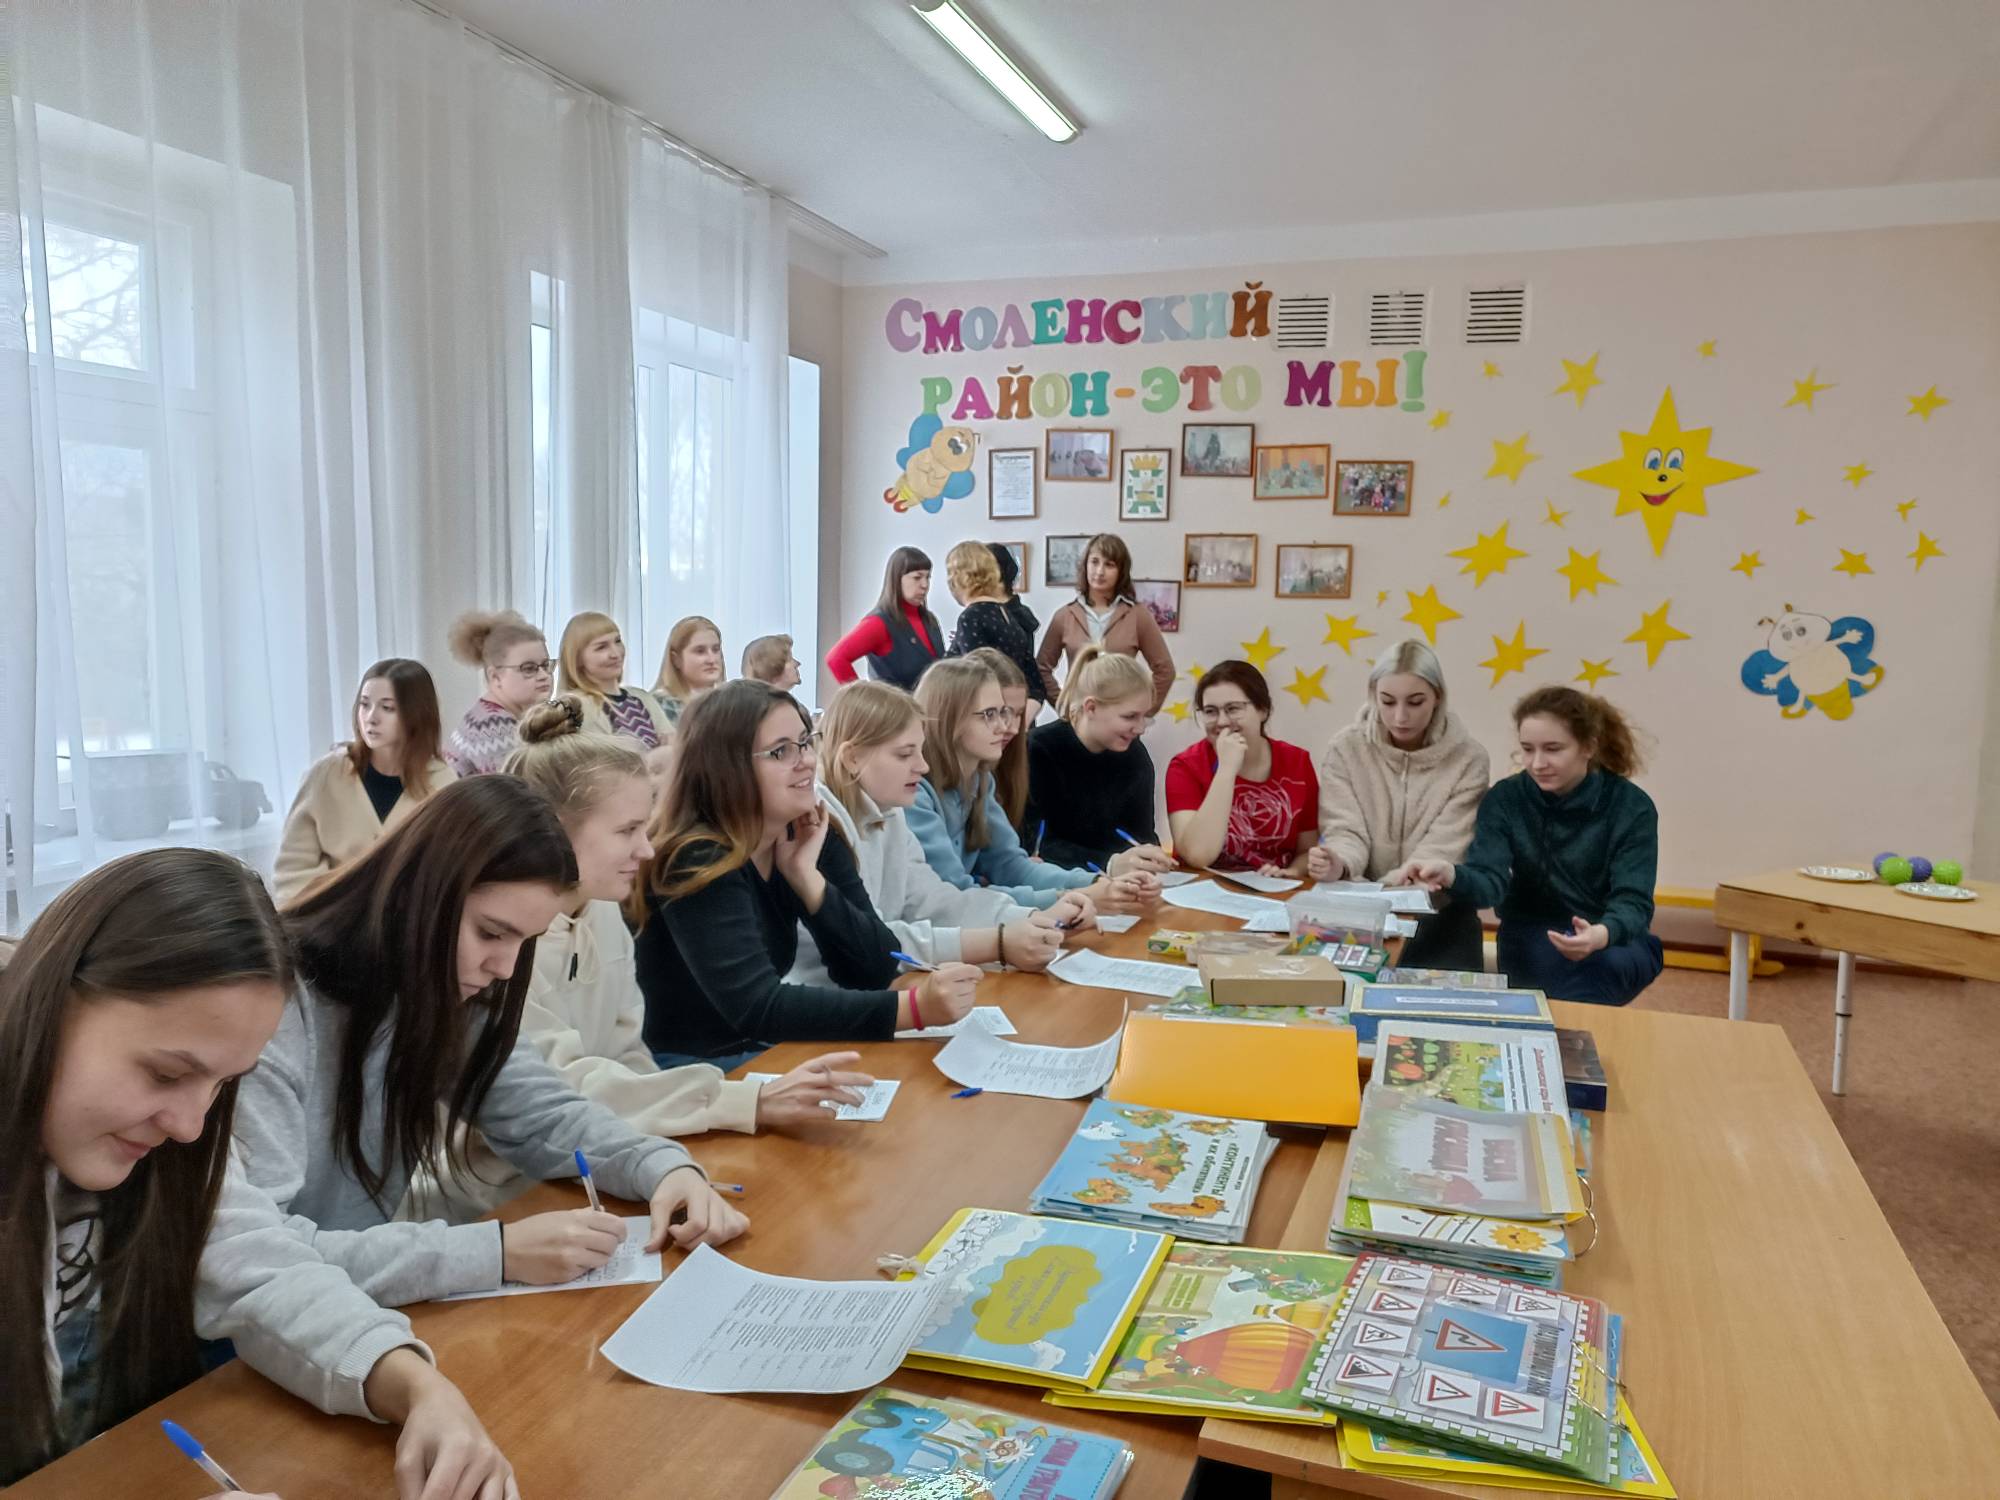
{"points": [[277, 282]]}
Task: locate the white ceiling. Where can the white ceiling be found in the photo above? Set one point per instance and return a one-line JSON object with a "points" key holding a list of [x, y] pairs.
{"points": [[1204, 117]]}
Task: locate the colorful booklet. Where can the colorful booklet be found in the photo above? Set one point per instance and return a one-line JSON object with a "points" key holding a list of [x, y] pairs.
{"points": [[1194, 1003], [901, 1443], [1032, 1300], [1457, 979], [1224, 1331], [1425, 1153], [1369, 1005], [1536, 1252], [1190, 1175], [1478, 1067], [1638, 1470], [1482, 1363]]}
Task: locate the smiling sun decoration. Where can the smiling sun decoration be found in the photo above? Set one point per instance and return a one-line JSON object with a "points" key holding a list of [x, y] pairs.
{"points": [[1663, 473]]}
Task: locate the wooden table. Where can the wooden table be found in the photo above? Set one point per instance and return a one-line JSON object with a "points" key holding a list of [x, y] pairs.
{"points": [[1873, 921], [824, 1203], [1777, 1344]]}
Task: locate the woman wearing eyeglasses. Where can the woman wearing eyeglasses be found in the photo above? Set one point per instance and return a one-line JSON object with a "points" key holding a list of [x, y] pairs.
{"points": [[1238, 799], [515, 660], [742, 860]]}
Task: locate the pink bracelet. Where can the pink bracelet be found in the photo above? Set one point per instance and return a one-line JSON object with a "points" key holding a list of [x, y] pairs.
{"points": [[915, 1014]]}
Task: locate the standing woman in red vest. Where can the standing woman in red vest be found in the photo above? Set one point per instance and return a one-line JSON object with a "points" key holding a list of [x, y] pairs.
{"points": [[900, 636]]}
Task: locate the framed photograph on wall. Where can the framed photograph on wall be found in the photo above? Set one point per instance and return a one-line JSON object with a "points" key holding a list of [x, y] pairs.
{"points": [[1142, 483], [1373, 486], [1314, 570], [1217, 450], [1062, 560], [1294, 471], [1221, 560], [1010, 484], [1078, 453], [1021, 576], [1163, 597]]}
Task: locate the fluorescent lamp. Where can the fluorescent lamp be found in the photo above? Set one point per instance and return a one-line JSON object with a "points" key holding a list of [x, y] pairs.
{"points": [[996, 67]]}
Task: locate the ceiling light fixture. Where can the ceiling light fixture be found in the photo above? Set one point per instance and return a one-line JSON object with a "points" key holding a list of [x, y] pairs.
{"points": [[965, 37]]}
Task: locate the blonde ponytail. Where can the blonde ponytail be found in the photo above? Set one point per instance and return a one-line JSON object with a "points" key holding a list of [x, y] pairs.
{"points": [[1107, 676]]}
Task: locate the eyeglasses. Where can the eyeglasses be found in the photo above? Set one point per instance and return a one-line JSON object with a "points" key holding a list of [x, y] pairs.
{"points": [[530, 668], [996, 717], [790, 752], [1209, 713]]}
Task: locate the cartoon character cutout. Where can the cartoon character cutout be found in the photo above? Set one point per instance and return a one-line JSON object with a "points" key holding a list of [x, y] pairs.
{"points": [[936, 466], [1663, 473], [1812, 662]]}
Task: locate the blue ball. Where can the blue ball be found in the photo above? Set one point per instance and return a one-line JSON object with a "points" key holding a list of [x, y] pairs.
{"points": [[1880, 858], [1920, 868]]}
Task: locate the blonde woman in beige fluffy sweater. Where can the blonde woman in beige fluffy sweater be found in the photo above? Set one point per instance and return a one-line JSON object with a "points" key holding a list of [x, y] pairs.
{"points": [[1403, 783]]}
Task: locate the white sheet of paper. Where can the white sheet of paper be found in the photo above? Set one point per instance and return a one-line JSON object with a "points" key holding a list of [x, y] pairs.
{"points": [[716, 1326], [1210, 897], [1108, 923], [1349, 887], [989, 1017], [1400, 927], [1269, 921], [1406, 898], [1095, 971], [628, 1266], [1256, 882], [875, 1099], [1175, 877], [981, 1060]]}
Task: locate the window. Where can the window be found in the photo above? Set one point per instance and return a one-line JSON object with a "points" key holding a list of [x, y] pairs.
{"points": [[541, 387]]}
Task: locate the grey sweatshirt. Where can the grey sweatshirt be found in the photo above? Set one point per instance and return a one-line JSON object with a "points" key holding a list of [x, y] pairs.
{"points": [[311, 1321]]}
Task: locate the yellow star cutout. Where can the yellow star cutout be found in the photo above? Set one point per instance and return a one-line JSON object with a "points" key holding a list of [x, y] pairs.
{"points": [[1554, 517], [1509, 459], [1803, 391], [1583, 573], [1903, 510], [1489, 370], [1343, 631], [1260, 651], [1444, 500], [1440, 419], [1655, 632], [1178, 712], [1381, 597], [1928, 402], [1706, 349], [1487, 556], [1594, 672], [1748, 564], [1306, 685], [1427, 612], [1196, 671], [1855, 473], [1926, 549], [1579, 379], [1853, 564], [1803, 516], [1663, 473], [1512, 656]]}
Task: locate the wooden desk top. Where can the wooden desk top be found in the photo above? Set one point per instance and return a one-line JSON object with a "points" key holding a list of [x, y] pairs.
{"points": [[824, 1203], [1876, 920], [1777, 1343]]}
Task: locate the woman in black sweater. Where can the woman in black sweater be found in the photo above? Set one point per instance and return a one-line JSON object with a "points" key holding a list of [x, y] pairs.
{"points": [[985, 619], [1090, 781], [742, 857]]}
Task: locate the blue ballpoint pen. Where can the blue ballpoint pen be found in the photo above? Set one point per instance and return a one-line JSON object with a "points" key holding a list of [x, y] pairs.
{"points": [[914, 963], [583, 1171], [1093, 866], [189, 1445], [1040, 829]]}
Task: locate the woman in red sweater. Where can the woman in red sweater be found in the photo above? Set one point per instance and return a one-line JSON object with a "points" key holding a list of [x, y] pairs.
{"points": [[899, 636]]}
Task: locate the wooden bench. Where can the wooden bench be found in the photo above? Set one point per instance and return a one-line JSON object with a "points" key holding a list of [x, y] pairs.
{"points": [[1692, 899]]}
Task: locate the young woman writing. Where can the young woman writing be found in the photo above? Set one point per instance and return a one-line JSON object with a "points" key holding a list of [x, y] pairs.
{"points": [[691, 664], [369, 785], [984, 620], [1010, 771], [593, 668], [741, 860], [1106, 612], [514, 660], [899, 637], [1090, 781], [1568, 852], [1238, 799]]}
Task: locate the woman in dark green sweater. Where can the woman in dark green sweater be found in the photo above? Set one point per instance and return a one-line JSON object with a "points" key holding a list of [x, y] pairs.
{"points": [[1567, 852]]}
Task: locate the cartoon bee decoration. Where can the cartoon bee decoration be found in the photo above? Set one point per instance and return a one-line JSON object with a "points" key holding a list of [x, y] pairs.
{"points": [[936, 466], [1812, 662]]}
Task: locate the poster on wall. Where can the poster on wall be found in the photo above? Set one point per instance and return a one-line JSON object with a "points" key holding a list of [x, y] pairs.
{"points": [[1010, 484], [1217, 450], [1221, 560], [1079, 453], [1314, 570], [1294, 471], [1062, 560], [1162, 596], [1373, 487], [1142, 483]]}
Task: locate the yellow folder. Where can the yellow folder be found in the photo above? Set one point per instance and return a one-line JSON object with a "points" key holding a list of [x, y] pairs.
{"points": [[1244, 1070]]}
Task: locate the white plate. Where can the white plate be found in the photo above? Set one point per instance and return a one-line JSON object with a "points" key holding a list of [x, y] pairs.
{"points": [[1930, 890], [1846, 874]]}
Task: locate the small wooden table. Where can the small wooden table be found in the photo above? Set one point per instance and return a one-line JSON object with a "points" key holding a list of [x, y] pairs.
{"points": [[1873, 921], [1778, 1346]]}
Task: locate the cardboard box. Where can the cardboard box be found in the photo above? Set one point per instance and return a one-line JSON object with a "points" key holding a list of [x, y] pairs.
{"points": [[1171, 943], [1270, 979]]}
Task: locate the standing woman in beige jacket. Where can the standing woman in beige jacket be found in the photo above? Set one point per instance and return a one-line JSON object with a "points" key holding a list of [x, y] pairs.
{"points": [[1401, 784], [1106, 609], [370, 784]]}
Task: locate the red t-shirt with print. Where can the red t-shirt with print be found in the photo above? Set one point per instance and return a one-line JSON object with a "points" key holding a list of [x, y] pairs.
{"points": [[1265, 817]]}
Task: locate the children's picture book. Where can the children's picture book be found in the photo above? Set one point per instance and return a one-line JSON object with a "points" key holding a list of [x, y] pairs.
{"points": [[1583, 1073], [1225, 1330], [1038, 1301], [1638, 1472], [1368, 1005], [1190, 1175], [1273, 1015], [1425, 1153], [1479, 1067], [1508, 1247], [1481, 1363], [1457, 979], [905, 1445]]}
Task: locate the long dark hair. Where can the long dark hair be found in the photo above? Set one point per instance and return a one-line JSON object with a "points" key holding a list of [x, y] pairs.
{"points": [[1111, 547], [380, 940], [144, 927], [906, 560], [416, 710]]}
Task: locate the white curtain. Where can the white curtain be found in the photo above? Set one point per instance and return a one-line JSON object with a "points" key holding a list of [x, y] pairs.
{"points": [[329, 334]]}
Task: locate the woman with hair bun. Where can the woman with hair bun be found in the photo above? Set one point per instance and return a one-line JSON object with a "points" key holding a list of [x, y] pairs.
{"points": [[513, 658]]}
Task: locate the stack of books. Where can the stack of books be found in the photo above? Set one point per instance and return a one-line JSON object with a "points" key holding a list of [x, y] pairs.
{"points": [[1194, 1176], [1370, 1005]]}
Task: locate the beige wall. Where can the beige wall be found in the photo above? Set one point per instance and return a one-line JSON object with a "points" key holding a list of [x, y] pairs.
{"points": [[1881, 316], [817, 335]]}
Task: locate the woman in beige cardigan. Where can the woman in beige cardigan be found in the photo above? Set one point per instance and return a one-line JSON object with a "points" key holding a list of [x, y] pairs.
{"points": [[1401, 784], [1105, 609], [369, 784]]}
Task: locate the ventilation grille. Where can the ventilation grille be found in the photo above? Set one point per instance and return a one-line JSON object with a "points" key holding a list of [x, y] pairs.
{"points": [[1496, 314], [1396, 319], [1304, 322]]}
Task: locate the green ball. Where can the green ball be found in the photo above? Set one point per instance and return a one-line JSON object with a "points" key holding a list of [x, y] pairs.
{"points": [[1895, 871], [1948, 872]]}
